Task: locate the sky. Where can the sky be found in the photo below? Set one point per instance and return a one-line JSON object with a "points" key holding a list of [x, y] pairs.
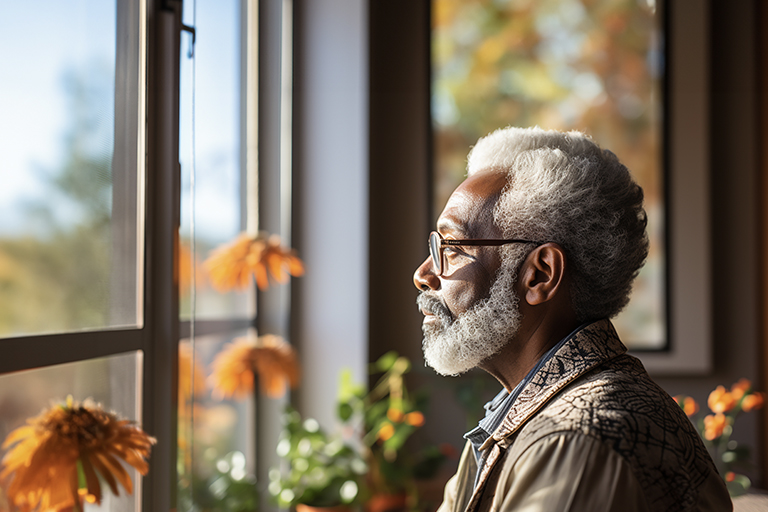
{"points": [[73, 35], [32, 104]]}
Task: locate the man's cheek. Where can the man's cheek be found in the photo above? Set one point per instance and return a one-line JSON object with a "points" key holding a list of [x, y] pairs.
{"points": [[462, 299]]}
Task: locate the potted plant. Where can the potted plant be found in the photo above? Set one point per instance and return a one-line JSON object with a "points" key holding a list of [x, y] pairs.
{"points": [[386, 417], [320, 471]]}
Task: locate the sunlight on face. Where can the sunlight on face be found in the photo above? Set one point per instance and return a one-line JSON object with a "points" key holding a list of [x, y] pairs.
{"points": [[455, 345]]}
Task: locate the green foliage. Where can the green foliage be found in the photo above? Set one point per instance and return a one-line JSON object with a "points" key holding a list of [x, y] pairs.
{"points": [[386, 417], [738, 486], [66, 277], [325, 471], [229, 489], [321, 471]]}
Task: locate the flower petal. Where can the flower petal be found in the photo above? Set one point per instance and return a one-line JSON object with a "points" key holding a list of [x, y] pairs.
{"points": [[91, 479], [106, 474], [18, 435], [117, 470]]}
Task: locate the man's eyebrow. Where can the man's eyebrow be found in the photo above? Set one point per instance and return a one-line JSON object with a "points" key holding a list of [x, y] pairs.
{"points": [[447, 224]]}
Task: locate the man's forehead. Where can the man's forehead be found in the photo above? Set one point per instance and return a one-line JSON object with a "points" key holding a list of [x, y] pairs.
{"points": [[470, 208]]}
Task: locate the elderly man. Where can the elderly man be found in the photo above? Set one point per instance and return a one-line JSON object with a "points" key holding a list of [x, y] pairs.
{"points": [[532, 256]]}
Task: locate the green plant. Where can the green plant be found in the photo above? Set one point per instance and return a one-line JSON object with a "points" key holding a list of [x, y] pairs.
{"points": [[230, 488], [320, 471], [386, 417]]}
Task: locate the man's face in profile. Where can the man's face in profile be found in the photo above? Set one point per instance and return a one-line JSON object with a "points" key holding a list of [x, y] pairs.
{"points": [[470, 310]]}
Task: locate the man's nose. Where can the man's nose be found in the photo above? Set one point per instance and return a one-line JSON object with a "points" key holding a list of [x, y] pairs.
{"points": [[424, 278]]}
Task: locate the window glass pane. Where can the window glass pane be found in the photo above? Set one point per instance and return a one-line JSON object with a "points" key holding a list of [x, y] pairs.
{"points": [[591, 65], [68, 136], [218, 207], [111, 381]]}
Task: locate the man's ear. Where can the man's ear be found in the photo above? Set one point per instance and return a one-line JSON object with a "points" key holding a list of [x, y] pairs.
{"points": [[542, 274]]}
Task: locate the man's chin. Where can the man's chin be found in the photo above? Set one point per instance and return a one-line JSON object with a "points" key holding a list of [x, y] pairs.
{"points": [[444, 362], [455, 346]]}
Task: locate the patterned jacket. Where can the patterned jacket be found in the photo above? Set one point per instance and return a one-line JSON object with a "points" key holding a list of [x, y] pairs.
{"points": [[590, 432]]}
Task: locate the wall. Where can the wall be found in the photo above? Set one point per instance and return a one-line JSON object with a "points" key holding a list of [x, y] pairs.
{"points": [[735, 243], [330, 317]]}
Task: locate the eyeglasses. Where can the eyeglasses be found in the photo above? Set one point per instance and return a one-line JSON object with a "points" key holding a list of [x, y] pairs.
{"points": [[437, 243]]}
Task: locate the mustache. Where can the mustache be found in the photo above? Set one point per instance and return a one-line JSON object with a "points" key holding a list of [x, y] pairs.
{"points": [[432, 304]]}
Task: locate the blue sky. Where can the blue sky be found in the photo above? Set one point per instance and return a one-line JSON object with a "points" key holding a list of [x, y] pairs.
{"points": [[38, 50]]}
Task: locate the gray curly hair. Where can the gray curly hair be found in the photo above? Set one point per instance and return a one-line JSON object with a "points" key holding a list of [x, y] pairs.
{"points": [[561, 187]]}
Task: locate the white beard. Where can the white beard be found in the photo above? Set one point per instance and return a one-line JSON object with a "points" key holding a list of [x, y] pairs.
{"points": [[454, 346]]}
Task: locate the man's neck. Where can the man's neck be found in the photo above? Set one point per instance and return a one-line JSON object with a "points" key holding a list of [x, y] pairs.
{"points": [[513, 362]]}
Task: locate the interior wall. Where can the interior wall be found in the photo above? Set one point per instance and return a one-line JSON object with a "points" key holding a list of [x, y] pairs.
{"points": [[399, 159], [330, 312], [735, 214]]}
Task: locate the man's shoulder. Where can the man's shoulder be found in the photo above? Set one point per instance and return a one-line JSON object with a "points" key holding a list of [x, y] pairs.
{"points": [[618, 389], [620, 406], [614, 402]]}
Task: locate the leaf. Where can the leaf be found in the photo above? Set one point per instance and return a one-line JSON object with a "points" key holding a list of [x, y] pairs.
{"points": [[401, 435], [740, 453], [347, 388], [386, 362], [345, 411], [738, 486]]}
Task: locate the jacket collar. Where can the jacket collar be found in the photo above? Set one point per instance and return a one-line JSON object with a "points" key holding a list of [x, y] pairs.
{"points": [[586, 349]]}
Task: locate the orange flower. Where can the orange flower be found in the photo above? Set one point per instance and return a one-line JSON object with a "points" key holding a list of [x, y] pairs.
{"points": [[752, 402], [740, 388], [269, 357], [714, 425], [721, 400], [395, 415], [386, 431], [231, 265], [730, 476], [414, 418], [690, 407], [51, 453]]}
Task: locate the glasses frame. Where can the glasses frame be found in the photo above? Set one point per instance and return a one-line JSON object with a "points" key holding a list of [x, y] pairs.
{"points": [[436, 251]]}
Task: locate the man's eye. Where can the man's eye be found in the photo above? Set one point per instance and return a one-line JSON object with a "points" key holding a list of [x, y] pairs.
{"points": [[452, 251]]}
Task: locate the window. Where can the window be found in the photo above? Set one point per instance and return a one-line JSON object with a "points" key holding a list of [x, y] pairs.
{"points": [[563, 64], [92, 297], [69, 239], [400, 152], [214, 210], [72, 240]]}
